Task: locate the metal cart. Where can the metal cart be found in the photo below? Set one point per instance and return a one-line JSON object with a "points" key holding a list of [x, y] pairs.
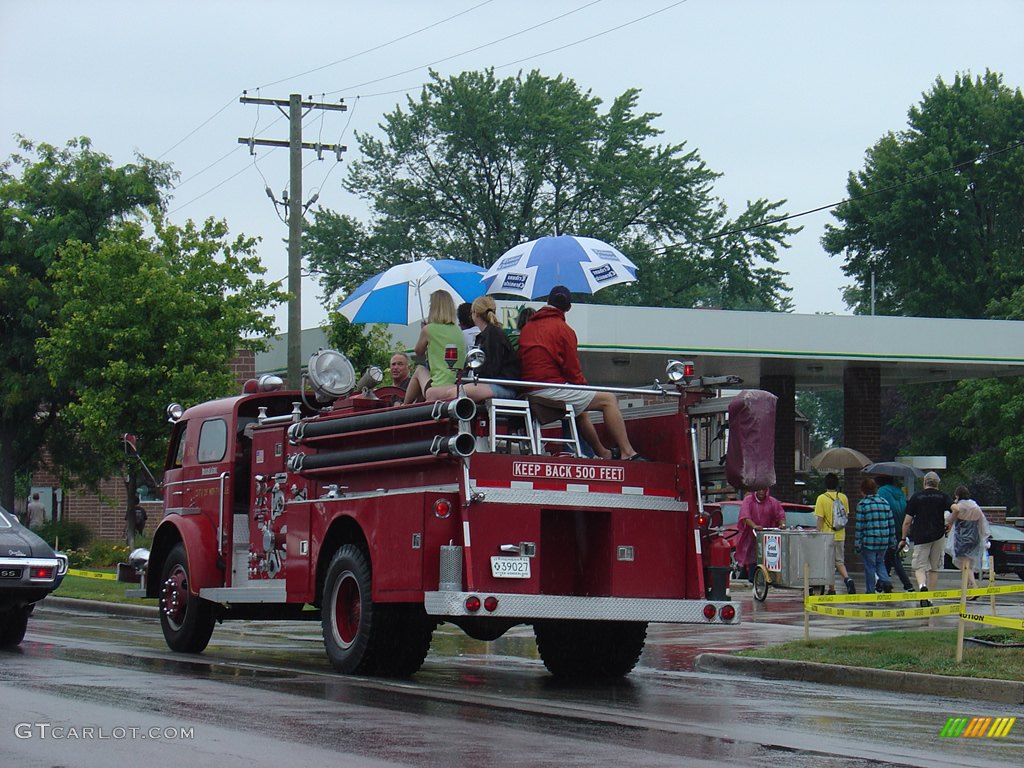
{"points": [[781, 554]]}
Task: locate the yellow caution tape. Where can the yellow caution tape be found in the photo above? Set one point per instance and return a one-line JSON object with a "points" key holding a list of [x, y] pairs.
{"points": [[997, 621], [885, 613], [902, 597], [92, 574]]}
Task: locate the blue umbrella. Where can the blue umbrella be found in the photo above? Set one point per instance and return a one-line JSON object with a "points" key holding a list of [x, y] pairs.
{"points": [[582, 264], [400, 295]]}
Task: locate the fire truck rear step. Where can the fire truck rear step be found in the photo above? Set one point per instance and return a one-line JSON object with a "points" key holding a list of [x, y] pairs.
{"points": [[572, 608]]}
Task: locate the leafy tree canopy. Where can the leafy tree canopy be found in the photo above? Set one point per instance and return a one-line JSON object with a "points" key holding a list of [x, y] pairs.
{"points": [[937, 212], [937, 215], [141, 322], [477, 165], [48, 196]]}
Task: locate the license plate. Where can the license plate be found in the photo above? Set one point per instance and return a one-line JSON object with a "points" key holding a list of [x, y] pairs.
{"points": [[510, 567], [10, 573]]}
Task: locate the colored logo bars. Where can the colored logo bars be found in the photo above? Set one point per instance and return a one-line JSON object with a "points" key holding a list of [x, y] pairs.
{"points": [[977, 727]]}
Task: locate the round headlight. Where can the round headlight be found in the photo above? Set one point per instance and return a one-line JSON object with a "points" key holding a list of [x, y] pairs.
{"points": [[331, 374], [475, 357], [678, 371], [174, 412]]}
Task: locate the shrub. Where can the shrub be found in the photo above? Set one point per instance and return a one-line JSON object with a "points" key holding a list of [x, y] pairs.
{"points": [[106, 554], [66, 535]]}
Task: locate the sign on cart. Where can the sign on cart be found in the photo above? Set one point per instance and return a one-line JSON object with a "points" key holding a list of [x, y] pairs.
{"points": [[773, 552]]}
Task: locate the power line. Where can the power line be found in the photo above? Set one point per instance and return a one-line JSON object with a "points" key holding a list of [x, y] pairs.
{"points": [[472, 50], [982, 157], [382, 45]]}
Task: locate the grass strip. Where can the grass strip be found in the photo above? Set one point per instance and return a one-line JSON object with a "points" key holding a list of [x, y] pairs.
{"points": [[930, 651]]}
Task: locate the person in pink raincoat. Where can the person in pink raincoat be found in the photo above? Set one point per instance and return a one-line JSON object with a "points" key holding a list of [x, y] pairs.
{"points": [[759, 510]]}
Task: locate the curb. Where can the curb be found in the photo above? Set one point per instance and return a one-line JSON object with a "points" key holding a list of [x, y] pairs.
{"points": [[100, 606], [894, 681]]}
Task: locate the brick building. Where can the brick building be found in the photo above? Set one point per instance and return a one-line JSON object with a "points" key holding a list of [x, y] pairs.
{"points": [[103, 512]]}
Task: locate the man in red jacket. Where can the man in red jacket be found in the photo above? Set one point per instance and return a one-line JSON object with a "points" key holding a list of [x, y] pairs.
{"points": [[547, 352]]}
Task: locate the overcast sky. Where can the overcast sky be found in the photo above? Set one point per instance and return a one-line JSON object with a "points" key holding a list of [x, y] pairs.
{"points": [[782, 98]]}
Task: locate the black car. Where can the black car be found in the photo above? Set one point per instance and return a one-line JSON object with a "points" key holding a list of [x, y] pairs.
{"points": [[1007, 549], [29, 571]]}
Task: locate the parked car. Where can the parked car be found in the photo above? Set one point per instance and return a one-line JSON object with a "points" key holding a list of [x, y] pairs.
{"points": [[797, 516], [29, 571]]}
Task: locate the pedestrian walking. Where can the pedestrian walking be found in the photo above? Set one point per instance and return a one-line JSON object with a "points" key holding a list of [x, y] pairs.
{"points": [[875, 535], [890, 490], [970, 531], [924, 525], [832, 508]]}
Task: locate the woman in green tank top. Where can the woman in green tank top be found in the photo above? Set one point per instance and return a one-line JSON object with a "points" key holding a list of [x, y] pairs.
{"points": [[439, 331]]}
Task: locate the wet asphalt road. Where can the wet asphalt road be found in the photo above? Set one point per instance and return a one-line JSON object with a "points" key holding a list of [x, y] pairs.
{"points": [[263, 694]]}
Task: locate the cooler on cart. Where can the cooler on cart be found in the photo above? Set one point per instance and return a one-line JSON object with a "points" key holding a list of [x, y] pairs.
{"points": [[782, 553]]}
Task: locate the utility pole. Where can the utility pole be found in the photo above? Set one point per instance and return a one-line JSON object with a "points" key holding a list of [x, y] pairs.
{"points": [[297, 109]]}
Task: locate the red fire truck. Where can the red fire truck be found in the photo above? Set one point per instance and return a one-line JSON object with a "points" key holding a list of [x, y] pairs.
{"points": [[385, 520]]}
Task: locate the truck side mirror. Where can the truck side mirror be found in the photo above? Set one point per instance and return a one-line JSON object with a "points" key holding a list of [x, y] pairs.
{"points": [[131, 446]]}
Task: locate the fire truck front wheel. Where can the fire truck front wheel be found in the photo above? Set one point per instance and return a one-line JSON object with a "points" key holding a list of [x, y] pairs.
{"points": [[187, 620], [590, 649]]}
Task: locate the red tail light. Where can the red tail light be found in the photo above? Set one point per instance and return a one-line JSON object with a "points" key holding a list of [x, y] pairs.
{"points": [[42, 572], [710, 611], [472, 603], [728, 613], [451, 355], [491, 604]]}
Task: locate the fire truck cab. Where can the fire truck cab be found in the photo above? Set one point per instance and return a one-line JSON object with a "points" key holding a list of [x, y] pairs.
{"points": [[384, 520]]}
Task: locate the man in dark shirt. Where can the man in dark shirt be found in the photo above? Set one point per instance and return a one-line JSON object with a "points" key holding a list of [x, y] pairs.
{"points": [[925, 524]]}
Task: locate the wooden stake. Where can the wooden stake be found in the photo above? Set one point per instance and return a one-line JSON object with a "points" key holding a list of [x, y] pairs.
{"points": [[807, 591], [963, 609]]}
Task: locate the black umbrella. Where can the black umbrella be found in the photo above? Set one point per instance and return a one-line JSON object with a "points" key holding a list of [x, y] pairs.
{"points": [[892, 468]]}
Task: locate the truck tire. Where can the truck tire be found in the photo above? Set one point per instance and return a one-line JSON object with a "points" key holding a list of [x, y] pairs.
{"points": [[13, 623], [187, 620], [353, 626], [406, 634], [590, 649]]}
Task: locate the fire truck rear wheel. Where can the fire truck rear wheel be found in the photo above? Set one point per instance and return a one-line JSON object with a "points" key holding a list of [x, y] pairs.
{"points": [[187, 620], [590, 649]]}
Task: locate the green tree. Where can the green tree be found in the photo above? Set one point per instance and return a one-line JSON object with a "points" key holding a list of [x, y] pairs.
{"points": [[937, 213], [937, 216], [824, 411], [48, 196], [363, 345], [140, 322], [477, 165]]}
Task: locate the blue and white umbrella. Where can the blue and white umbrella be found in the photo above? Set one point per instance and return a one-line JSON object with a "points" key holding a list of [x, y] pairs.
{"points": [[401, 294], [582, 264]]}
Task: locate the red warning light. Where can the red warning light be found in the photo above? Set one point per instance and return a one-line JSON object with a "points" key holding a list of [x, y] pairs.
{"points": [[472, 603]]}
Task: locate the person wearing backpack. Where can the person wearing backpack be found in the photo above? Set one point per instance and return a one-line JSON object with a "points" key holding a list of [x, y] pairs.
{"points": [[832, 509], [969, 534], [924, 525]]}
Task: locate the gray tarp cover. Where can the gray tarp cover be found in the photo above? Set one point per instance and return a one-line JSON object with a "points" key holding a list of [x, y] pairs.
{"points": [[750, 460]]}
